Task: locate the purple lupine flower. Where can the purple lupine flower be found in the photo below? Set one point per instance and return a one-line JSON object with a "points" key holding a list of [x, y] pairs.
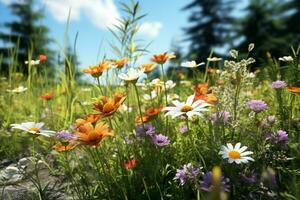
{"points": [[146, 129], [207, 186], [187, 173], [66, 135], [222, 115], [278, 84], [250, 178], [183, 129], [257, 105], [282, 136], [160, 140]]}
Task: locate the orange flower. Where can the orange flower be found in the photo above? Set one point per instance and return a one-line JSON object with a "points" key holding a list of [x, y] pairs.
{"points": [[42, 58], [144, 119], [150, 112], [163, 57], [211, 70], [92, 118], [210, 98], [60, 147], [130, 164], [106, 106], [201, 89], [97, 71], [120, 63], [47, 96], [294, 89], [148, 67], [92, 135]]}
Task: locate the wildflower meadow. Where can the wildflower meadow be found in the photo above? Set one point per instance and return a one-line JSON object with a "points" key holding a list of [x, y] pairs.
{"points": [[227, 129]]}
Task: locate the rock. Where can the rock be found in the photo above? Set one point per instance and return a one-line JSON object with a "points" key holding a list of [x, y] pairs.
{"points": [[10, 175]]}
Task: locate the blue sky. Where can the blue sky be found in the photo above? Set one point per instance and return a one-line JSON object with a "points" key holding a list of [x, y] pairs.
{"points": [[163, 23]]}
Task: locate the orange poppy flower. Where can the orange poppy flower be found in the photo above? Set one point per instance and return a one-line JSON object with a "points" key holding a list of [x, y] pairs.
{"points": [[47, 96], [139, 120], [60, 147], [201, 89], [294, 89], [153, 111], [97, 71], [120, 63], [107, 106], [148, 67], [92, 135], [130, 164], [163, 57], [42, 58]]}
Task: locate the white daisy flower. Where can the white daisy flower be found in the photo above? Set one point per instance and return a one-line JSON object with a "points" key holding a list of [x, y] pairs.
{"points": [[150, 97], [191, 64], [19, 89], [156, 83], [33, 128], [214, 59], [131, 75], [235, 154], [286, 59], [189, 108]]}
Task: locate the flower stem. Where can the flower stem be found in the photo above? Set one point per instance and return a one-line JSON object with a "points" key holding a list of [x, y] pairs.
{"points": [[139, 103], [99, 85]]}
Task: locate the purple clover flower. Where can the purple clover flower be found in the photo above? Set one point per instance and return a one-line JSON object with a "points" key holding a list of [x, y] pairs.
{"points": [[282, 136], [66, 135], [222, 115], [257, 105], [183, 129], [160, 140], [207, 186], [187, 173], [278, 84], [147, 129]]}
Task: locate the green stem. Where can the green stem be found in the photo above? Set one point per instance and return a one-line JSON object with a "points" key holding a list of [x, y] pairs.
{"points": [[139, 103], [99, 85]]}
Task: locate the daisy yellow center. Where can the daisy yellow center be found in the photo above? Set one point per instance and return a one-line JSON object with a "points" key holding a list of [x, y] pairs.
{"points": [[108, 107], [234, 154], [186, 108], [34, 129]]}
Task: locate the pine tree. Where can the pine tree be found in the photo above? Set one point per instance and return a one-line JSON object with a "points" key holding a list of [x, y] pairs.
{"points": [[26, 35], [293, 22], [210, 26], [265, 26]]}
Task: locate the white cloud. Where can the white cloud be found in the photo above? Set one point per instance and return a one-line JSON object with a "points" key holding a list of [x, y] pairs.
{"points": [[150, 29], [102, 13]]}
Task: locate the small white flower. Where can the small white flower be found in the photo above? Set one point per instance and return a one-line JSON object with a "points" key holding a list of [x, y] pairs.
{"points": [[150, 97], [186, 83], [32, 62], [234, 53], [131, 75], [19, 89], [286, 59], [189, 108], [123, 108], [250, 47], [33, 128], [191, 64], [156, 82], [214, 59], [235, 154], [170, 84]]}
